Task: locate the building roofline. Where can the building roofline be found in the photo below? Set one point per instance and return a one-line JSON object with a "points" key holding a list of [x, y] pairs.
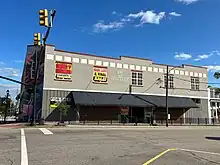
{"points": [[196, 66], [120, 57]]}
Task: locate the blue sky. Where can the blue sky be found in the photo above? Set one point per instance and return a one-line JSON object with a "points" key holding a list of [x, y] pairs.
{"points": [[166, 31]]}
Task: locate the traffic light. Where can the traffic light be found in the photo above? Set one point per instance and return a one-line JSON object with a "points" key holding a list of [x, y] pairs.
{"points": [[43, 17], [37, 39]]}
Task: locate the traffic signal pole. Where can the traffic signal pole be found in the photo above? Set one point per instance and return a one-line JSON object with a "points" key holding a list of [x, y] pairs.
{"points": [[37, 64]]}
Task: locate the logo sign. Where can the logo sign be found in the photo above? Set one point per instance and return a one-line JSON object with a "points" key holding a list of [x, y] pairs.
{"points": [[63, 71], [100, 75], [124, 111]]}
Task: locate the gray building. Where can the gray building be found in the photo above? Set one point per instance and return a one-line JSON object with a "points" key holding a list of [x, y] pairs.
{"points": [[97, 87]]}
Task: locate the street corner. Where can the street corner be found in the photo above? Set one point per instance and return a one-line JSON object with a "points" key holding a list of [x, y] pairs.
{"points": [[180, 156]]}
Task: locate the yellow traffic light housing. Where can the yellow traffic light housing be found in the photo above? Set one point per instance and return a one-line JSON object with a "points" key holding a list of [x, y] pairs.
{"points": [[37, 39], [43, 17]]}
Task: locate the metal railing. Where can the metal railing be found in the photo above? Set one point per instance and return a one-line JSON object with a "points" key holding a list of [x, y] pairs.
{"points": [[155, 122]]}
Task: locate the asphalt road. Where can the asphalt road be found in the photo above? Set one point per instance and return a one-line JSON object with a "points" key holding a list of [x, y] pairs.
{"points": [[91, 146]]}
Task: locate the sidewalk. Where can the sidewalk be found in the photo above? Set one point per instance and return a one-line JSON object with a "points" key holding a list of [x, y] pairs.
{"points": [[13, 125], [139, 127]]}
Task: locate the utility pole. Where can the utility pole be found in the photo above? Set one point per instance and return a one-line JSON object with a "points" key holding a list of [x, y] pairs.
{"points": [[6, 105], [130, 108], [167, 88]]}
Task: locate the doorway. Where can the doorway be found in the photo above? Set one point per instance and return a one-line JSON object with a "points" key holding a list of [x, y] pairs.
{"points": [[138, 114]]}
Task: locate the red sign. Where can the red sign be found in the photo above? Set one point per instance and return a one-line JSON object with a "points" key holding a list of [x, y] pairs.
{"points": [[63, 71]]}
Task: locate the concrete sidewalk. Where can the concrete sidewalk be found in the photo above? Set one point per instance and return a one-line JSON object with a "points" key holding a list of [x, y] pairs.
{"points": [[140, 127]]}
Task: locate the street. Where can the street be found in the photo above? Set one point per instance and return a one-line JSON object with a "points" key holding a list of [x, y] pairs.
{"points": [[109, 146]]}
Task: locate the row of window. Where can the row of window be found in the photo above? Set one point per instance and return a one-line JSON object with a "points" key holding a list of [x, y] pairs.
{"points": [[137, 80]]}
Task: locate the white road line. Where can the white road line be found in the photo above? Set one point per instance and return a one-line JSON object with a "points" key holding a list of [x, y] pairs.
{"points": [[203, 152], [24, 156], [46, 131]]}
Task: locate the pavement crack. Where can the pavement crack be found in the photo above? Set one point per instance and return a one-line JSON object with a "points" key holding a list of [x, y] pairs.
{"points": [[203, 159]]}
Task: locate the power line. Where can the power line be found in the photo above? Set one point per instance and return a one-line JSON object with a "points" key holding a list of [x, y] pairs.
{"points": [[155, 82]]}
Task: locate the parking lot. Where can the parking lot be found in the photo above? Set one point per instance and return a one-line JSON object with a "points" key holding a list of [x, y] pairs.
{"points": [[110, 146]]}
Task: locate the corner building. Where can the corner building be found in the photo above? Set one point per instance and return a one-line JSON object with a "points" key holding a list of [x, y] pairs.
{"points": [[97, 88]]}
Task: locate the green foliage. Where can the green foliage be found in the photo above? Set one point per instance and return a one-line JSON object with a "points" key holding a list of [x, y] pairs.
{"points": [[217, 75], [2, 109], [217, 90], [18, 97], [63, 109]]}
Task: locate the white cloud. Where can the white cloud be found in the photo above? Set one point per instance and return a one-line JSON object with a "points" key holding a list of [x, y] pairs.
{"points": [[114, 12], [10, 72], [187, 2], [183, 56], [213, 68], [206, 56], [175, 14], [102, 27], [126, 20], [201, 57], [2, 63], [148, 17], [18, 61], [13, 89]]}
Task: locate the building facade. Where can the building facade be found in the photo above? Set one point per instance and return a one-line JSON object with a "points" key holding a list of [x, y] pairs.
{"points": [[102, 88], [214, 103]]}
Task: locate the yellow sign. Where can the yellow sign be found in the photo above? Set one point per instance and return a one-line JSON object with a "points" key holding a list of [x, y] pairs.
{"points": [[100, 75]]}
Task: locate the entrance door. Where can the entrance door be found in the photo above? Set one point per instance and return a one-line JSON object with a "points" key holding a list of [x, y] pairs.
{"points": [[138, 114]]}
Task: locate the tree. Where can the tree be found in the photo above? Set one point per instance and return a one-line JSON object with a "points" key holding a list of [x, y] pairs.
{"points": [[2, 109], [217, 75], [63, 109]]}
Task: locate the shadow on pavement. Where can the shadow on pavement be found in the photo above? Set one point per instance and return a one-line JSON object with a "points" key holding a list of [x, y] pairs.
{"points": [[212, 138]]}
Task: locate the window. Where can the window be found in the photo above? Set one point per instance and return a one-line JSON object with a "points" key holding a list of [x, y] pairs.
{"points": [[197, 101], [212, 104], [170, 81], [195, 83], [137, 78]]}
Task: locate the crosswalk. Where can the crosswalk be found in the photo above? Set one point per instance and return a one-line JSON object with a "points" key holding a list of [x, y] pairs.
{"points": [[46, 131]]}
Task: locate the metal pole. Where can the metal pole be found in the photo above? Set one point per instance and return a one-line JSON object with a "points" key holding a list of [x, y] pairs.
{"points": [[167, 88], [130, 108], [34, 89], [6, 105], [37, 66]]}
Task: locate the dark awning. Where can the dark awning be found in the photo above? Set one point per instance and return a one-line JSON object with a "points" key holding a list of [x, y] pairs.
{"points": [[117, 99], [173, 102], [107, 99]]}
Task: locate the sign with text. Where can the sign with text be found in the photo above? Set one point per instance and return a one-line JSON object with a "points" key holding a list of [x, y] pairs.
{"points": [[63, 71], [124, 110], [100, 75]]}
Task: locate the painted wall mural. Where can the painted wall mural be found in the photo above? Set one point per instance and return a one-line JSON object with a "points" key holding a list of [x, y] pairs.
{"points": [[33, 55]]}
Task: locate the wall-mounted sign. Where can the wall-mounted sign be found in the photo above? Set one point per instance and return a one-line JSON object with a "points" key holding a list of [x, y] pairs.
{"points": [[119, 76], [124, 110], [100, 75], [63, 71], [55, 101]]}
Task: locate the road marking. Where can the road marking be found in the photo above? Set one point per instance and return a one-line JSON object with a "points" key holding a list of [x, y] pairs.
{"points": [[46, 131], [203, 152], [24, 156], [158, 156]]}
